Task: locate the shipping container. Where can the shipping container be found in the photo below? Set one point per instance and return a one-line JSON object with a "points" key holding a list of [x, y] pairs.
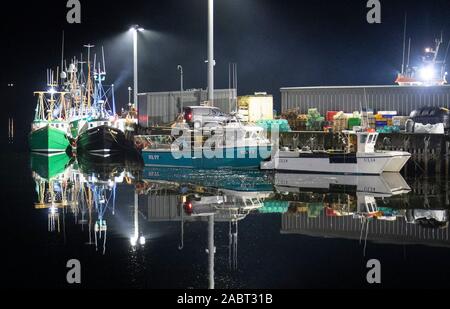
{"points": [[256, 107], [162, 108], [356, 98]]}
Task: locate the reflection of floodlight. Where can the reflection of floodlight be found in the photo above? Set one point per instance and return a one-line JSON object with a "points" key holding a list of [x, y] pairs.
{"points": [[427, 73], [142, 240]]}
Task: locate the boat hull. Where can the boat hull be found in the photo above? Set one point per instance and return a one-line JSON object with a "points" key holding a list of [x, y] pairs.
{"points": [[103, 141], [237, 158], [48, 140], [398, 161], [350, 164]]}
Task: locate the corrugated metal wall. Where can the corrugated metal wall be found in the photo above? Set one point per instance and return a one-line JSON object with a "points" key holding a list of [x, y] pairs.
{"points": [[379, 98], [161, 207], [159, 108]]}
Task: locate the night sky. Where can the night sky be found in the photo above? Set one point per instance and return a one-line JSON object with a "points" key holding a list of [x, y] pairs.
{"points": [[276, 43]]}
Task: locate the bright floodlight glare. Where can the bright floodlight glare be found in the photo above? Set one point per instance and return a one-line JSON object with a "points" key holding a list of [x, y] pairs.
{"points": [[136, 28], [133, 241], [142, 240], [52, 90], [427, 73]]}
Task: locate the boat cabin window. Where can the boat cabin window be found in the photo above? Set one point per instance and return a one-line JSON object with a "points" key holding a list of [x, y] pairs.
{"points": [[363, 139]]}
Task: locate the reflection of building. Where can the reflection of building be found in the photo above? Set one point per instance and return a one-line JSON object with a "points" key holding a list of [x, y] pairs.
{"points": [[395, 232], [193, 196], [340, 206]]}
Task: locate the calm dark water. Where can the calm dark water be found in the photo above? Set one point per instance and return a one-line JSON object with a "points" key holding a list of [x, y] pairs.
{"points": [[270, 231]]}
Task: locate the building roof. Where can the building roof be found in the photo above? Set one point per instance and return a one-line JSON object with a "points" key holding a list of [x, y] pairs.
{"points": [[358, 87]]}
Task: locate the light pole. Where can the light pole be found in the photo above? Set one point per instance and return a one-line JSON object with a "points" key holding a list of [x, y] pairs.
{"points": [[135, 30], [211, 61], [180, 68]]}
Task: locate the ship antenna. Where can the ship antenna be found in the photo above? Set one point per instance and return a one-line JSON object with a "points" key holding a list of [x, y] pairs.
{"points": [[103, 56], [404, 42], [409, 54], [95, 61], [62, 55]]}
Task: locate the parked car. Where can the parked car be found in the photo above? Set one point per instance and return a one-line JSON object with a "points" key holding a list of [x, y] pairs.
{"points": [[200, 116]]}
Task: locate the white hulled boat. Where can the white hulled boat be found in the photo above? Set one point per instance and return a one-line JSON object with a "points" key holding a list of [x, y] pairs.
{"points": [[359, 158]]}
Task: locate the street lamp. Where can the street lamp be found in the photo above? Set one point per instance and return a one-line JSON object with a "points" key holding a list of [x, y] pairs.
{"points": [[135, 29], [180, 68], [211, 61]]}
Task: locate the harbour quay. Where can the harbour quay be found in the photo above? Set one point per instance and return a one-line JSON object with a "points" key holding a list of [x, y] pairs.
{"points": [[430, 152]]}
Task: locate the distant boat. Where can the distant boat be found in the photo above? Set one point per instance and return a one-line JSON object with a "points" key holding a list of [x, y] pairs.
{"points": [[430, 72]]}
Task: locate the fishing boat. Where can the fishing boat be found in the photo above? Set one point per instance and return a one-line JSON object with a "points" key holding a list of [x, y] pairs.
{"points": [[98, 130], [430, 72], [49, 128], [359, 158], [240, 147]]}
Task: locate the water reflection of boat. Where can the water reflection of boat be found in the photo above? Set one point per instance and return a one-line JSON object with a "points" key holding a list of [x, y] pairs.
{"points": [[52, 174], [361, 208], [247, 181], [83, 190], [122, 165], [387, 184], [49, 166]]}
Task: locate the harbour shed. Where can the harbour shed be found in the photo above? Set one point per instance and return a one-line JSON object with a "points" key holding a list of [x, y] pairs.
{"points": [[403, 99], [161, 108]]}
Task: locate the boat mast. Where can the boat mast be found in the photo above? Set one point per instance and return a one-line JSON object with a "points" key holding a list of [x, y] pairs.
{"points": [[89, 78], [404, 43]]}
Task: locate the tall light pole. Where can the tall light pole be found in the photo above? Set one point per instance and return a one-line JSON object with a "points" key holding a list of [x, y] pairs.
{"points": [[211, 61], [180, 68], [135, 30]]}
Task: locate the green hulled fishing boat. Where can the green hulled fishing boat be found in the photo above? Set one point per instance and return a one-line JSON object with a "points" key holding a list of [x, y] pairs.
{"points": [[49, 129], [49, 139]]}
